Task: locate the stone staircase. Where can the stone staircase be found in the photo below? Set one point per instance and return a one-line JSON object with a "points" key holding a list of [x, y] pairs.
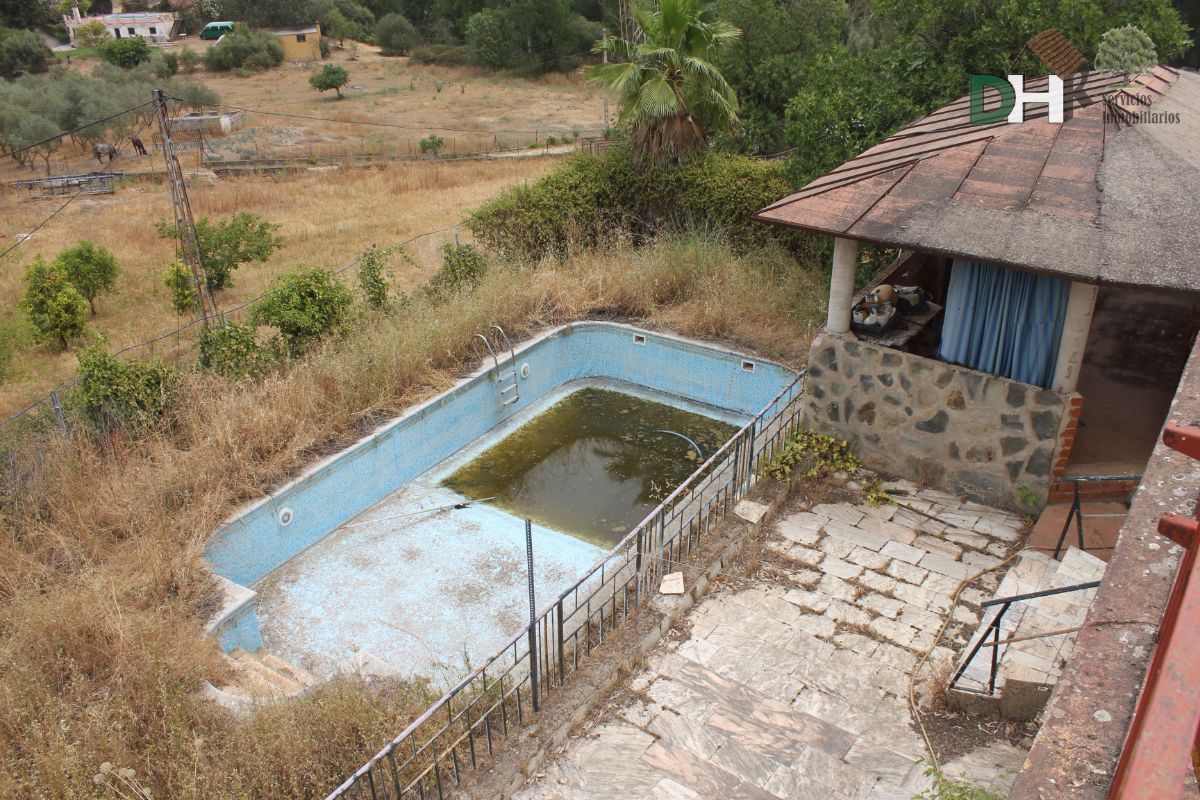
{"points": [[263, 676], [1028, 670]]}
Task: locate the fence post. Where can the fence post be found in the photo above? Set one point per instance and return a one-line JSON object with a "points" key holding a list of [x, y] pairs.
{"points": [[533, 658], [58, 412], [559, 656]]}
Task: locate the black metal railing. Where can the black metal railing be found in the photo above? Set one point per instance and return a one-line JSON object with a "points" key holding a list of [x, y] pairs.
{"points": [[1076, 514], [993, 631], [470, 720]]}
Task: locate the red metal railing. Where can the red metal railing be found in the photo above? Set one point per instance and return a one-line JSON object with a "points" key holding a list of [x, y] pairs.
{"points": [[1164, 739]]}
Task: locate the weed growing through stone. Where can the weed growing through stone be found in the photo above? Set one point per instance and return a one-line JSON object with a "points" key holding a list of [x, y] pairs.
{"points": [[814, 455]]}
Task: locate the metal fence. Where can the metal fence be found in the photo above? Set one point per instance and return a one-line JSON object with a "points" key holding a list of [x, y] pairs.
{"points": [[466, 725]]}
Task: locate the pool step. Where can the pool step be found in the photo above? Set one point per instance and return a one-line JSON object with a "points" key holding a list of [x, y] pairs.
{"points": [[265, 675]]}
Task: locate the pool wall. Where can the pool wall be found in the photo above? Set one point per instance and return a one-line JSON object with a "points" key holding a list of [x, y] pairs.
{"points": [[256, 540]]}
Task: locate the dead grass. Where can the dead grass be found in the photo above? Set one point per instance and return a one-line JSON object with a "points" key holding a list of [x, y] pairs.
{"points": [[327, 217], [102, 586]]}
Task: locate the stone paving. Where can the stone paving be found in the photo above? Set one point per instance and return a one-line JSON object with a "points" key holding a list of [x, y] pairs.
{"points": [[797, 687]]}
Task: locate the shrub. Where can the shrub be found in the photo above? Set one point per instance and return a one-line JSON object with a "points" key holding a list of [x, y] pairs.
{"points": [[90, 269], [56, 309], [593, 195], [166, 66], [814, 455], [188, 60], [92, 34], [463, 266], [233, 351], [125, 53], [330, 77], [256, 51], [112, 392], [22, 51], [395, 35], [432, 144], [227, 244], [371, 279], [304, 306], [178, 280]]}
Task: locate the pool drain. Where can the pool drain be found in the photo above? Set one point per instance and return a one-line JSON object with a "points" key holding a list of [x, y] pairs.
{"points": [[285, 517]]}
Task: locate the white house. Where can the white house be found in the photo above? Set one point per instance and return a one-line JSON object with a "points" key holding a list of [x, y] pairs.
{"points": [[153, 26]]}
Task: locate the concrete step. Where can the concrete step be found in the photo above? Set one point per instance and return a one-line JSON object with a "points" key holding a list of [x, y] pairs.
{"points": [[257, 677], [1028, 670], [297, 674]]}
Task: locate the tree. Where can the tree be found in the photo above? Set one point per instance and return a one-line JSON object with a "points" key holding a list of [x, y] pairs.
{"points": [[56, 309], [490, 39], [229, 243], [395, 35], [330, 77], [178, 280], [20, 14], [1127, 49], [21, 52], [127, 53], [303, 306], [92, 34], [432, 144], [243, 49], [672, 96], [90, 269]]}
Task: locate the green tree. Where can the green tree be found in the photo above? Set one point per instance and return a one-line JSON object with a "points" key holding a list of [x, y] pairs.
{"points": [[244, 49], [395, 35], [304, 306], [126, 53], [90, 269], [330, 77], [22, 52], [371, 278], [1127, 49], [672, 96], [56, 309], [92, 34], [23, 13], [432, 144], [490, 39], [178, 280], [227, 244]]}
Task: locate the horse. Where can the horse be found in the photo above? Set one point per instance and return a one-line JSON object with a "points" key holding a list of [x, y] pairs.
{"points": [[100, 149], [138, 146]]}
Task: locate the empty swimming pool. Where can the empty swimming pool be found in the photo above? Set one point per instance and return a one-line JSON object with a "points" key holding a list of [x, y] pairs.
{"points": [[409, 545]]}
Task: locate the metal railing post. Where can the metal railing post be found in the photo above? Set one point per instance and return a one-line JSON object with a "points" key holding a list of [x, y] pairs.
{"points": [[533, 658]]}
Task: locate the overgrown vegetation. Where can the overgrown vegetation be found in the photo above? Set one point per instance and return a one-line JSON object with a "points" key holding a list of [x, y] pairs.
{"points": [[224, 246], [813, 455], [113, 393], [304, 306], [591, 197], [233, 351], [253, 51]]}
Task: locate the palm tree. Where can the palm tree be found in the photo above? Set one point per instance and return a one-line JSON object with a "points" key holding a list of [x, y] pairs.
{"points": [[672, 95]]}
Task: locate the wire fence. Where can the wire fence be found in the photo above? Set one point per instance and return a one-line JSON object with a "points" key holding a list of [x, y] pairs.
{"points": [[178, 346], [469, 722]]}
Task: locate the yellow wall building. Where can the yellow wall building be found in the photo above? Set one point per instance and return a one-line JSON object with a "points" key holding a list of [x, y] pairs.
{"points": [[300, 44]]}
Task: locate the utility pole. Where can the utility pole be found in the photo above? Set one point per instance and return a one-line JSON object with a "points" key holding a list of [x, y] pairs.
{"points": [[185, 227], [605, 57]]}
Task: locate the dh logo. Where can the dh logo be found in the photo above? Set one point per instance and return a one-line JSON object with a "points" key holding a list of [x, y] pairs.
{"points": [[1013, 98]]}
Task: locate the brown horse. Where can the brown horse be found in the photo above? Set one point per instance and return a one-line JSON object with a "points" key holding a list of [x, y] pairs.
{"points": [[138, 146]]}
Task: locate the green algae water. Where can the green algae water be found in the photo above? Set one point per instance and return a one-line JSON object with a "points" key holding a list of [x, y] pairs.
{"points": [[592, 465]]}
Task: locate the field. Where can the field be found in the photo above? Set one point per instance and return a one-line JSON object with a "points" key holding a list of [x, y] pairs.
{"points": [[327, 216]]}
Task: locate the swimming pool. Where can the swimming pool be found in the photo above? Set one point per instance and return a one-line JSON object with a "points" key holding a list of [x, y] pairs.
{"points": [[365, 552]]}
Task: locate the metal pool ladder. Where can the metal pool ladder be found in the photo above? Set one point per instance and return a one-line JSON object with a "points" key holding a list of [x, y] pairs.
{"points": [[509, 392]]}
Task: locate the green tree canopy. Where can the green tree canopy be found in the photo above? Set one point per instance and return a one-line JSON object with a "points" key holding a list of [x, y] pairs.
{"points": [[227, 244], [125, 52], [672, 96], [56, 309], [330, 77], [90, 269], [395, 35], [1127, 49], [22, 52], [303, 306]]}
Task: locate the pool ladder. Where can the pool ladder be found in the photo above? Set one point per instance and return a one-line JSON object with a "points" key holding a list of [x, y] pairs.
{"points": [[509, 392]]}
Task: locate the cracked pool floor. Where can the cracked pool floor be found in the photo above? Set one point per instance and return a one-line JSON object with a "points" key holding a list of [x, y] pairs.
{"points": [[797, 687]]}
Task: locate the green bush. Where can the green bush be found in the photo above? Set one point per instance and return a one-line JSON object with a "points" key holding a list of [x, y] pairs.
{"points": [[591, 196], [114, 393], [432, 144], [188, 60], [90, 269], [371, 279], [463, 266], [56, 309], [256, 51], [304, 306], [330, 77], [166, 66], [395, 35], [22, 51], [178, 280], [125, 53], [233, 351]]}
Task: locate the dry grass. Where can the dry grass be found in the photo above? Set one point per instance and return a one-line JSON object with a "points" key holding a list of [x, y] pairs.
{"points": [[102, 586], [327, 217]]}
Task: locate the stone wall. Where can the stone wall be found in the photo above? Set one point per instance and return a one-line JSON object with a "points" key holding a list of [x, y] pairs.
{"points": [[945, 426]]}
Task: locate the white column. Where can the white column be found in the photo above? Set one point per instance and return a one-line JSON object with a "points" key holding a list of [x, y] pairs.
{"points": [[1080, 305], [841, 284]]}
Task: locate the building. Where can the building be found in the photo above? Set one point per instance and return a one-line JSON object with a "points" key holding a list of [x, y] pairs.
{"points": [[1058, 344], [152, 26], [300, 44]]}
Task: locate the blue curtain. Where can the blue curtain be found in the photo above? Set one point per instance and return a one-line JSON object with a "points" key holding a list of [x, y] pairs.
{"points": [[1004, 321]]}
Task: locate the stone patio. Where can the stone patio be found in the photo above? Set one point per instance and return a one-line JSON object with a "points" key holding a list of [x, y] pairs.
{"points": [[797, 687]]}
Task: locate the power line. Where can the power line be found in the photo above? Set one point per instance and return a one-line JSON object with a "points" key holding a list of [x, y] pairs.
{"points": [[41, 224], [74, 130]]}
